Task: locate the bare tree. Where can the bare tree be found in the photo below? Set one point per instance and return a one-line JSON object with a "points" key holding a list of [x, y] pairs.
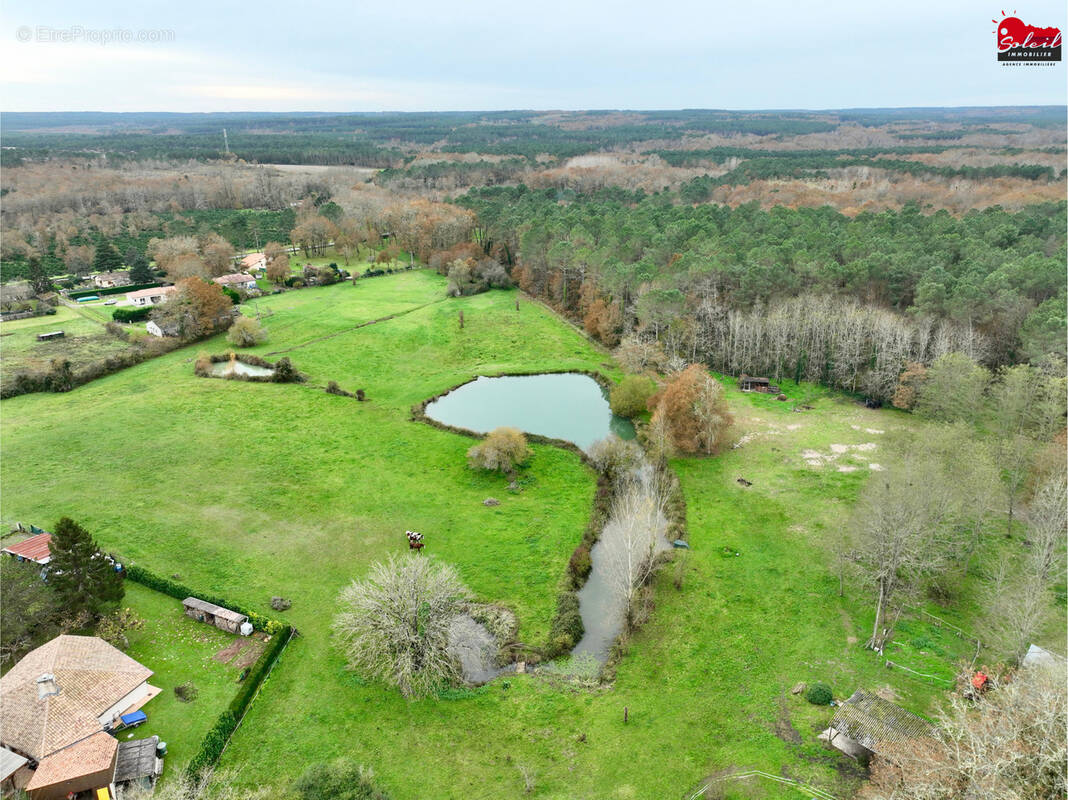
{"points": [[898, 538], [393, 625], [634, 530]]}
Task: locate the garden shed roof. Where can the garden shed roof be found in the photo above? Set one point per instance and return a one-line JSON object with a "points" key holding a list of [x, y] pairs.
{"points": [[36, 548], [137, 759], [214, 610], [878, 724]]}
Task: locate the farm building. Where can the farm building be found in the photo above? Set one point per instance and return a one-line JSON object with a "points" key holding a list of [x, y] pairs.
{"points": [[237, 280], [35, 549], [150, 297], [109, 280], [168, 329], [56, 707], [749, 384], [47, 337], [866, 724], [222, 618]]}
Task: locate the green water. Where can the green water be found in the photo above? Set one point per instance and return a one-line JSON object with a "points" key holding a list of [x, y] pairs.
{"points": [[567, 405]]}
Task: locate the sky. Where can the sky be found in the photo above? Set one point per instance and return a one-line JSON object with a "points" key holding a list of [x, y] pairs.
{"points": [[427, 55]]}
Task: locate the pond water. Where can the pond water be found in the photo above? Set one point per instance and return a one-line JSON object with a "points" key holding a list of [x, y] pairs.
{"points": [[567, 405], [224, 368]]}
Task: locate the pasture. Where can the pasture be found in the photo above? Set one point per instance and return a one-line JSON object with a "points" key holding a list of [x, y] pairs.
{"points": [[256, 490]]}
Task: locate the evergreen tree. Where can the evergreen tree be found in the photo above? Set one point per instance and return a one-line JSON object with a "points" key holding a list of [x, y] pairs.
{"points": [[83, 578], [140, 271], [39, 280], [107, 258]]}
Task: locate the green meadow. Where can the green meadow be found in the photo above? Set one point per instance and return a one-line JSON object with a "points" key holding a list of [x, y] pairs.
{"points": [[252, 490]]}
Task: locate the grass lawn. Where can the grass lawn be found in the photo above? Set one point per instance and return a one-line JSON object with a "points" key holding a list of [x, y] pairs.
{"points": [[254, 490], [85, 340], [179, 649]]}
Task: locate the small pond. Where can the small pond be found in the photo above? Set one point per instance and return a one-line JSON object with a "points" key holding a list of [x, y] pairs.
{"points": [[224, 368], [566, 405]]}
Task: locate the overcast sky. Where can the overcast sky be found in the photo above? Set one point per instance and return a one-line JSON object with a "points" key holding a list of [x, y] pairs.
{"points": [[499, 54]]}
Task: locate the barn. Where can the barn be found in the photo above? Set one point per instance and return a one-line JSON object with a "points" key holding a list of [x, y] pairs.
{"points": [[866, 725]]}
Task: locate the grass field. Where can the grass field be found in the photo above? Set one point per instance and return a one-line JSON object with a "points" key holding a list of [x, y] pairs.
{"points": [[257, 490]]}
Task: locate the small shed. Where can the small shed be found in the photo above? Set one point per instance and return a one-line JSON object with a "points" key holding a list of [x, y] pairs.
{"points": [[748, 383], [1040, 657], [10, 763], [35, 549], [138, 762], [222, 618], [47, 337], [866, 724]]}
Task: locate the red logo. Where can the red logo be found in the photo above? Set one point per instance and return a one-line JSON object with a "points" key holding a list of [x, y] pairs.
{"points": [[1017, 41]]}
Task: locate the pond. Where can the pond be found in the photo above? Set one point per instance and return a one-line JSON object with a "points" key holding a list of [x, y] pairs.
{"points": [[223, 368], [565, 405]]}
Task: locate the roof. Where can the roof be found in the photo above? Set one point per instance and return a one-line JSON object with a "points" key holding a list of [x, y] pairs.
{"points": [[112, 276], [252, 259], [94, 753], [234, 277], [36, 548], [1039, 656], [153, 292], [214, 610], [91, 677], [878, 724], [137, 759], [10, 763]]}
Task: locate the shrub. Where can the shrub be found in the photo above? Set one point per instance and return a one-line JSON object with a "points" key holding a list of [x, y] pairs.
{"points": [[819, 694], [338, 780], [630, 395], [285, 372], [203, 365], [567, 627], [615, 457], [502, 450], [186, 692], [246, 332], [580, 565], [116, 330], [280, 604], [694, 410], [333, 388]]}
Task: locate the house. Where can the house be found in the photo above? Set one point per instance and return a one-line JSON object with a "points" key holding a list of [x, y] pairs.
{"points": [[109, 280], [237, 280], [150, 297], [222, 618], [254, 261], [866, 725], [57, 706], [35, 549]]}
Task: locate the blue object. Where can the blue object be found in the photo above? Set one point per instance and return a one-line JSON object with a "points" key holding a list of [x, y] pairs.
{"points": [[680, 544], [136, 718], [88, 299]]}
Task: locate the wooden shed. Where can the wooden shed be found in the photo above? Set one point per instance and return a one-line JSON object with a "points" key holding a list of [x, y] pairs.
{"points": [[866, 724], [748, 383], [222, 618]]}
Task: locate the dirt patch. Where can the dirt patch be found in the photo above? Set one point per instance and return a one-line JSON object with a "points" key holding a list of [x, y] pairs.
{"points": [[784, 728], [250, 654], [227, 654]]}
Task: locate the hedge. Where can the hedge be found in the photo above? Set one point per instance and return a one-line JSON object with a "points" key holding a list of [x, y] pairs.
{"points": [[134, 314], [180, 591], [111, 290]]}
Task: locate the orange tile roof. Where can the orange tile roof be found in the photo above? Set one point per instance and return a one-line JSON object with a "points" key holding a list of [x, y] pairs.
{"points": [[236, 277], [91, 676], [95, 753], [252, 259], [35, 548]]}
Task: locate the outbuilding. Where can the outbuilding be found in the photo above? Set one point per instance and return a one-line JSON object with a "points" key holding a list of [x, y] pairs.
{"points": [[748, 383], [35, 549], [221, 618], [866, 725]]}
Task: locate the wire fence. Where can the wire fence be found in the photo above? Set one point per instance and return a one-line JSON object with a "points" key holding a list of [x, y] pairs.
{"points": [[810, 791]]}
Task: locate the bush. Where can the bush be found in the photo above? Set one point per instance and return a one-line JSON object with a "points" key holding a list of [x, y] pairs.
{"points": [[246, 332], [502, 450], [615, 457], [285, 372], [567, 627], [280, 604], [338, 780], [630, 395], [133, 314], [819, 694], [580, 565], [116, 330], [186, 692]]}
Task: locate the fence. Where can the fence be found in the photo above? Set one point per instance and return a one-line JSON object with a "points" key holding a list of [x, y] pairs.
{"points": [[811, 791]]}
